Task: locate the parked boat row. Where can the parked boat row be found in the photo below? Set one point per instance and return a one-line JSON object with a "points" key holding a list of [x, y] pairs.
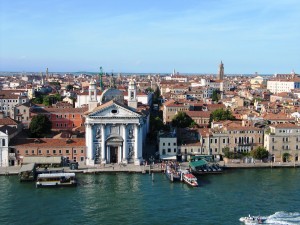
{"points": [[214, 168]]}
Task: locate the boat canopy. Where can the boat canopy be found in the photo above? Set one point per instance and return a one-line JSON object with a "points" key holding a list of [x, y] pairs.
{"points": [[27, 167], [198, 163], [47, 175]]}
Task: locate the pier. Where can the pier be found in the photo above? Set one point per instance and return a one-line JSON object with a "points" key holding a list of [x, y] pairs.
{"points": [[145, 169]]}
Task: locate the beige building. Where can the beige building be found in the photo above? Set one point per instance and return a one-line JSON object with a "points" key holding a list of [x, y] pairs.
{"points": [[231, 134], [171, 108], [281, 140]]}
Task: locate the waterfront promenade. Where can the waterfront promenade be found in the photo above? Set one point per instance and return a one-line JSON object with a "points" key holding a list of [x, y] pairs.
{"points": [[156, 168]]}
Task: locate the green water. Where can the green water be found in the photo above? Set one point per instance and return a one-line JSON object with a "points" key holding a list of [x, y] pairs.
{"points": [[135, 199]]}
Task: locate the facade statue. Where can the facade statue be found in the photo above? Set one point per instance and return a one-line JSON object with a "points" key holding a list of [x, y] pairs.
{"points": [[98, 133]]}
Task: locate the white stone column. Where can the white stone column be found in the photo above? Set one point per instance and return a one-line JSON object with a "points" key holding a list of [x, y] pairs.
{"points": [[108, 154], [124, 158], [103, 155], [140, 143], [136, 144], [89, 144]]}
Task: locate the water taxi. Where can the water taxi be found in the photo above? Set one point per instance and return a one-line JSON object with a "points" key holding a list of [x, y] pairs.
{"points": [[190, 179], [56, 180]]}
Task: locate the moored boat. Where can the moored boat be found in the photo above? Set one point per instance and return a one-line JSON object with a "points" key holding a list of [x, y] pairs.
{"points": [[172, 174], [56, 180], [190, 179]]}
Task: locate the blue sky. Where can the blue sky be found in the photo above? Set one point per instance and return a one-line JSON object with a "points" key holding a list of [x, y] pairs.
{"points": [[156, 36]]}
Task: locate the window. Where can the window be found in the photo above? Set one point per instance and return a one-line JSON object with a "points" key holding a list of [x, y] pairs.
{"points": [[191, 150], [67, 151], [32, 151], [169, 144], [26, 152], [74, 159], [216, 140], [174, 149], [169, 150], [40, 151], [75, 152], [3, 142], [81, 158], [224, 140], [203, 140], [174, 143], [59, 151], [81, 151], [54, 151], [48, 151], [164, 144]]}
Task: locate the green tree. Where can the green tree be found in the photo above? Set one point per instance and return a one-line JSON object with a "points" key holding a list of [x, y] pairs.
{"points": [[221, 114], [215, 96], [40, 126], [38, 100], [259, 153], [69, 87], [231, 155], [182, 120]]}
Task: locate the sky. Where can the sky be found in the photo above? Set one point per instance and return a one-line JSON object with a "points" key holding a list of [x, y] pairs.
{"points": [[157, 36]]}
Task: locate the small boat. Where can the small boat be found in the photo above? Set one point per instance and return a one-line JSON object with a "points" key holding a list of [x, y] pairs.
{"points": [[253, 220], [56, 180], [190, 179], [172, 174]]}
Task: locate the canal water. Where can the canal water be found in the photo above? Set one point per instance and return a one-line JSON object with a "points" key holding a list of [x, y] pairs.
{"points": [[136, 199]]}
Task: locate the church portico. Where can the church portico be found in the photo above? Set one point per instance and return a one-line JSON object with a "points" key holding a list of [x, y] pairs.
{"points": [[115, 132]]}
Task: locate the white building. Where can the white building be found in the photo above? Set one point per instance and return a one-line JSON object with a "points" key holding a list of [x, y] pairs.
{"points": [[115, 133], [283, 83], [168, 146], [4, 161]]}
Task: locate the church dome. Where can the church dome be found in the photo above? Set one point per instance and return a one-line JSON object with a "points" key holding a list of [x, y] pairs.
{"points": [[112, 94]]}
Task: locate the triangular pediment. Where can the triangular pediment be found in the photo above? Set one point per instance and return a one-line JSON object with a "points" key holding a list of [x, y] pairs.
{"points": [[113, 110]]}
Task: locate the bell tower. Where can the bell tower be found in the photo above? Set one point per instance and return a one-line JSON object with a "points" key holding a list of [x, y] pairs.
{"points": [[132, 100], [221, 71], [92, 95]]}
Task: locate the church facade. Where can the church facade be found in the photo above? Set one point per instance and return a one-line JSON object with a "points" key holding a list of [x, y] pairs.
{"points": [[115, 132]]}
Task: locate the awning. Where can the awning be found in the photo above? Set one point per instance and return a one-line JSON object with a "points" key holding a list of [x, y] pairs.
{"points": [[168, 157], [198, 163], [42, 160], [27, 167]]}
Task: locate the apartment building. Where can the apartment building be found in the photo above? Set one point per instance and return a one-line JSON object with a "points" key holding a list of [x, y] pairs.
{"points": [[283, 139], [232, 134], [71, 149]]}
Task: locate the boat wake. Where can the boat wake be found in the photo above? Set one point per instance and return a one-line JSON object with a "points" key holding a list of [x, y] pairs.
{"points": [[282, 218]]}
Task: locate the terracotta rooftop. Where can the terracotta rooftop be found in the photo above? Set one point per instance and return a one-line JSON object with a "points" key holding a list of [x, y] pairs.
{"points": [[48, 142]]}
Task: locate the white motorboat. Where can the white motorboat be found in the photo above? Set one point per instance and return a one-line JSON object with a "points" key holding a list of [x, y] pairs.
{"points": [[253, 220]]}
